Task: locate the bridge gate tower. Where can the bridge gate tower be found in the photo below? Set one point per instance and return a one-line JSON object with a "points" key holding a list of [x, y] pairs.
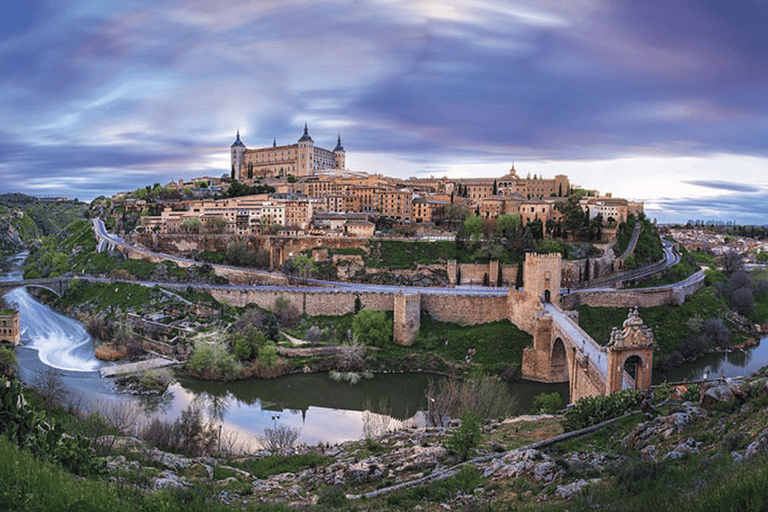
{"points": [[630, 355]]}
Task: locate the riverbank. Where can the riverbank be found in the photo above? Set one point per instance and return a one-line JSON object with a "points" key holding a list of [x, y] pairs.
{"points": [[697, 455]]}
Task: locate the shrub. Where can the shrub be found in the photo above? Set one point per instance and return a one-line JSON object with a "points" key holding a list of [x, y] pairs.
{"points": [[372, 327], [466, 436], [547, 403], [212, 360], [279, 437], [592, 410]]}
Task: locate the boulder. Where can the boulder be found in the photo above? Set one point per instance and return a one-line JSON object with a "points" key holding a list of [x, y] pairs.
{"points": [[759, 446]]}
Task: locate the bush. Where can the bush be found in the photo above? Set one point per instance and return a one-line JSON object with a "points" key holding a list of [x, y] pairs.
{"points": [[466, 436], [211, 360], [279, 437], [372, 327], [592, 410], [547, 403]]}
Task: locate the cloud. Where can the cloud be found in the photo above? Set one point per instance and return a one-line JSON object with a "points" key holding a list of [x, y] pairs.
{"points": [[160, 87], [725, 185]]}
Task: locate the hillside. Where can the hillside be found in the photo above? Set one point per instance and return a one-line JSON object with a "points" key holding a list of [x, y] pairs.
{"points": [[705, 454], [25, 220]]}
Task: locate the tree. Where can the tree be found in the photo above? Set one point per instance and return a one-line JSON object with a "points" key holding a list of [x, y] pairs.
{"points": [[271, 329], [519, 278], [191, 224], [466, 436], [216, 225], [507, 222], [304, 265], [372, 327], [473, 227], [547, 403]]}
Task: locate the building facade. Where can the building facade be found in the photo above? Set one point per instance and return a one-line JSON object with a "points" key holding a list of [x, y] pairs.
{"points": [[300, 159]]}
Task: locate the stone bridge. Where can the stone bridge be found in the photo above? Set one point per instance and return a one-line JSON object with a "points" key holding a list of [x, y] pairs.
{"points": [[56, 285], [563, 352]]}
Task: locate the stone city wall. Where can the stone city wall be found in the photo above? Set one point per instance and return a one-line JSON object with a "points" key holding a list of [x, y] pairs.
{"points": [[465, 309], [644, 298]]}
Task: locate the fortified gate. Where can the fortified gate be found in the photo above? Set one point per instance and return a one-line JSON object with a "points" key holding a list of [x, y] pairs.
{"points": [[563, 352]]}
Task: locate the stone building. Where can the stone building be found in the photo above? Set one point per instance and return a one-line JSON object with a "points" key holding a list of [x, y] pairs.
{"points": [[9, 327], [300, 159]]}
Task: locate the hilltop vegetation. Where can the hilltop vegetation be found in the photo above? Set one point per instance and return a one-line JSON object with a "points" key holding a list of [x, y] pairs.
{"points": [[25, 220]]}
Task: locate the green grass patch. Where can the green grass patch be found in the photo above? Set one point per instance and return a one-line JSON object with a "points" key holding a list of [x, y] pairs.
{"points": [[276, 464], [497, 345], [407, 254], [668, 322]]}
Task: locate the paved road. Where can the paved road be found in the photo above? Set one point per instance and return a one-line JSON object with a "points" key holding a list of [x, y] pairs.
{"points": [[316, 285]]}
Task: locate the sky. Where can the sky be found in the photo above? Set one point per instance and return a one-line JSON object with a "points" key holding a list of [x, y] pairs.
{"points": [[651, 100]]}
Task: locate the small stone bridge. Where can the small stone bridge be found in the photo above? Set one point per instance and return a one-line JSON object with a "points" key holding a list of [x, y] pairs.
{"points": [[55, 285]]}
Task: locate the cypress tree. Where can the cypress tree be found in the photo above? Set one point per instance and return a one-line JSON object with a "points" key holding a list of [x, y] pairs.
{"points": [[519, 278]]}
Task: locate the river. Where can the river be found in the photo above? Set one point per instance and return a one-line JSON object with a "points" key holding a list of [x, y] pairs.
{"points": [[323, 410]]}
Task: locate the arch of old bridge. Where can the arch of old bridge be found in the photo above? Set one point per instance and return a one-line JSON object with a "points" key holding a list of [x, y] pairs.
{"points": [[56, 285], [563, 352]]}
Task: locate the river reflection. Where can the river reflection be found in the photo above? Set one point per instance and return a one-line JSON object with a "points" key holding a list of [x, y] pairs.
{"points": [[323, 410], [734, 363]]}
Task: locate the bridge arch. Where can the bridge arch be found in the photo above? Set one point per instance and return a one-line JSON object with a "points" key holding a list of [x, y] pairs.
{"points": [[558, 359], [634, 366]]}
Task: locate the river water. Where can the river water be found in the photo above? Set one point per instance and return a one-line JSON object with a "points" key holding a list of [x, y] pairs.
{"points": [[323, 410]]}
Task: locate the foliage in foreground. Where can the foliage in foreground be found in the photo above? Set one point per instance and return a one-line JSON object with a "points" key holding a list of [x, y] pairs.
{"points": [[592, 410], [27, 427]]}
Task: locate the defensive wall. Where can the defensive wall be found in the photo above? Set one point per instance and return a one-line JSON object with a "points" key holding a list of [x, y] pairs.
{"points": [[640, 297], [407, 307]]}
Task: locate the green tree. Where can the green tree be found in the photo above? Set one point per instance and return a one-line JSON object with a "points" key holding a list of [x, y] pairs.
{"points": [[192, 224], [372, 327], [547, 403], [508, 222], [242, 348], [466, 436], [305, 265], [473, 227], [60, 262], [271, 329]]}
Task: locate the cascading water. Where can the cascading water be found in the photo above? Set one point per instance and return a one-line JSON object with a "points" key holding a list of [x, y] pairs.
{"points": [[60, 342]]}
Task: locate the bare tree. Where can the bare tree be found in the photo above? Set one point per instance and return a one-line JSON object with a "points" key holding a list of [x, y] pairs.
{"points": [[51, 388], [278, 438]]}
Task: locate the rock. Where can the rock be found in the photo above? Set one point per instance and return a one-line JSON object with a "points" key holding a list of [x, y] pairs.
{"points": [[566, 492], [530, 463], [415, 457], [683, 449], [170, 480], [759, 446], [648, 453], [365, 470], [169, 460], [664, 426], [720, 394], [736, 456]]}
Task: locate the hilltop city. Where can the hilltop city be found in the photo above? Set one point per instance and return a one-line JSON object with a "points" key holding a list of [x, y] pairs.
{"points": [[301, 188]]}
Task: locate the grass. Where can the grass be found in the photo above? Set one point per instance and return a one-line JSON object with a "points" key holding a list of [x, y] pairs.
{"points": [[667, 322], [276, 464], [497, 345], [407, 254]]}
